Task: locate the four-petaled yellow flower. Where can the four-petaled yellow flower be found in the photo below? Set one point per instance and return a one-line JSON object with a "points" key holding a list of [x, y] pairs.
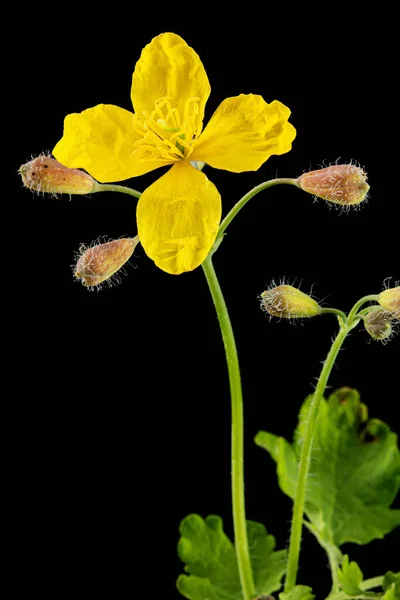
{"points": [[179, 214]]}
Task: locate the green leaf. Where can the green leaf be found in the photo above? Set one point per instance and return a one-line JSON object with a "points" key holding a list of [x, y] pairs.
{"points": [[391, 585], [390, 594], [354, 470], [299, 592], [210, 559], [350, 577]]}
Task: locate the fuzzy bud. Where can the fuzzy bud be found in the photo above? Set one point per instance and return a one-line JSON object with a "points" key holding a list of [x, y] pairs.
{"points": [[100, 262], [377, 323], [289, 303], [340, 184], [45, 174], [390, 301]]}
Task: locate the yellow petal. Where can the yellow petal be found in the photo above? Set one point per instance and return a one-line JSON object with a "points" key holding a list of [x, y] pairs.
{"points": [[178, 218], [169, 68], [101, 140], [243, 132]]}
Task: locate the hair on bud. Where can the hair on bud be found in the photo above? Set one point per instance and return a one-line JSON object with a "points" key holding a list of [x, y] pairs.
{"points": [[47, 175], [288, 302], [390, 301], [100, 262], [341, 184], [378, 324]]}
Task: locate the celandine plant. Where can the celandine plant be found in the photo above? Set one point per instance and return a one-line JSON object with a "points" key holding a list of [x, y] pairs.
{"points": [[342, 471]]}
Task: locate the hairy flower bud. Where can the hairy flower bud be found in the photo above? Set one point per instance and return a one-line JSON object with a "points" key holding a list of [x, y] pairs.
{"points": [[340, 184], [390, 301], [100, 262], [45, 174], [377, 323], [288, 302]]}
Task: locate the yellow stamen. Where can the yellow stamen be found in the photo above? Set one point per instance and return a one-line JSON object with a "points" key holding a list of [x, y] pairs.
{"points": [[161, 123], [163, 135]]}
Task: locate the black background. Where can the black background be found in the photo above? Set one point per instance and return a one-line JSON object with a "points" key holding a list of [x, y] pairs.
{"points": [[120, 418]]}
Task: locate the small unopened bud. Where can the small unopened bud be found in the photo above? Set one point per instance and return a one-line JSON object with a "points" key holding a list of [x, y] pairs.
{"points": [[289, 303], [340, 184], [45, 174], [377, 323], [390, 301], [100, 262]]}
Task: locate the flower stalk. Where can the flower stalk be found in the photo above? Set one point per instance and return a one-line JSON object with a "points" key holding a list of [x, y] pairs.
{"points": [[122, 189], [238, 500], [243, 201]]}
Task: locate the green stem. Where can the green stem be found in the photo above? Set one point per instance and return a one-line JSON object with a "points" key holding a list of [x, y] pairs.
{"points": [[238, 502], [334, 311], [334, 555], [299, 501], [359, 303], [107, 187], [365, 311], [362, 596], [334, 566], [367, 584], [239, 205]]}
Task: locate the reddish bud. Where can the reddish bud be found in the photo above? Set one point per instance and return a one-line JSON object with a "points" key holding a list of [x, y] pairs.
{"points": [[45, 174], [340, 184], [100, 262]]}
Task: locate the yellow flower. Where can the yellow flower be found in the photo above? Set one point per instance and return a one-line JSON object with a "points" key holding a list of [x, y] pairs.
{"points": [[179, 214]]}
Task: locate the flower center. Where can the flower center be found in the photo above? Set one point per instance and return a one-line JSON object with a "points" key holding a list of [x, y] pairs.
{"points": [[166, 134]]}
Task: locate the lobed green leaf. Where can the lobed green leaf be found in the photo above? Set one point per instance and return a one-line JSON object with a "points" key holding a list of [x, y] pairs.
{"points": [[350, 577], [299, 592], [210, 560], [354, 470], [391, 586]]}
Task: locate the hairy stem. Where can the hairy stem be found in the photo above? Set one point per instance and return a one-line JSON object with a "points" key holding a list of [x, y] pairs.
{"points": [[238, 502], [299, 501], [334, 565]]}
